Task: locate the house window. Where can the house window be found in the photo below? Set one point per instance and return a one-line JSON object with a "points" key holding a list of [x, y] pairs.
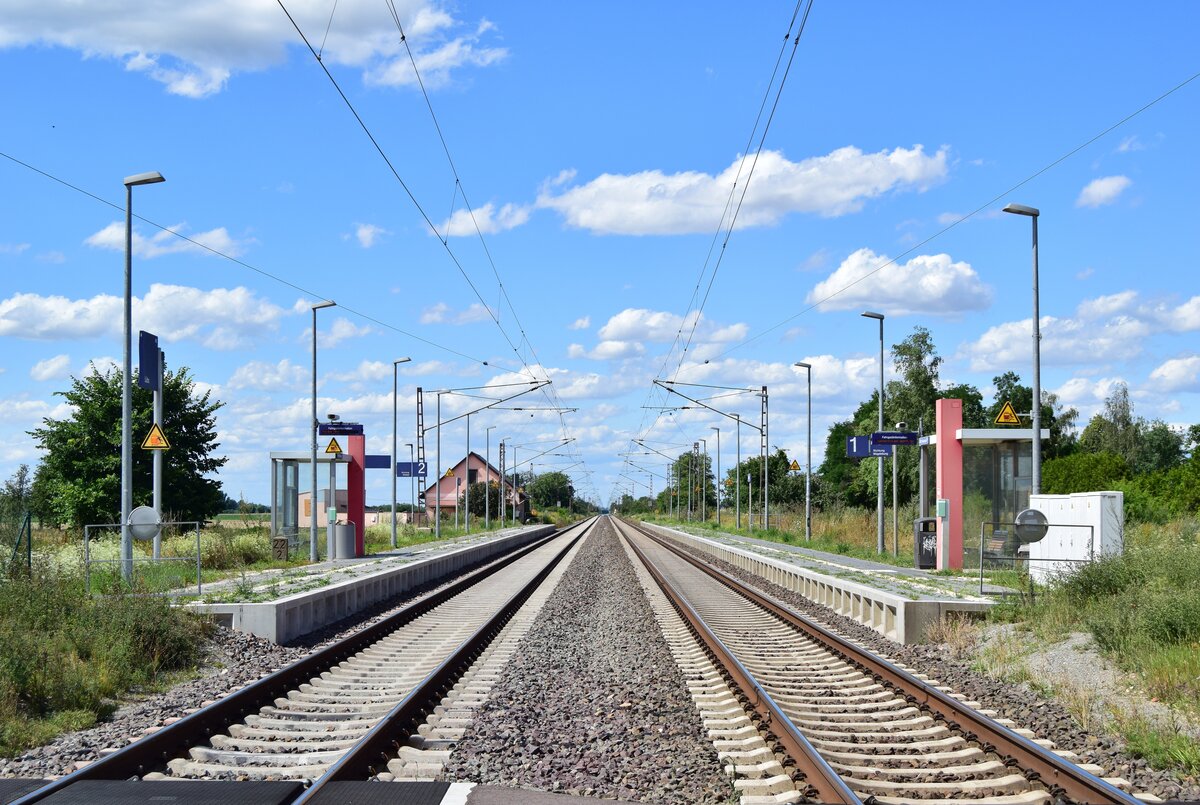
{"points": [[472, 476]]}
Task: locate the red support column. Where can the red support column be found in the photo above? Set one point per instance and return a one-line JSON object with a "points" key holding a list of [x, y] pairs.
{"points": [[949, 464], [356, 490]]}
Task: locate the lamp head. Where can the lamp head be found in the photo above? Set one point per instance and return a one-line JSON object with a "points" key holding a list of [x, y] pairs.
{"points": [[325, 304], [872, 315], [400, 361], [1021, 209], [153, 177], [803, 365]]}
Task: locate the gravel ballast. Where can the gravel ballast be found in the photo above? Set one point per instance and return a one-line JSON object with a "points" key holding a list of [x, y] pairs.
{"points": [[1047, 718], [593, 703]]}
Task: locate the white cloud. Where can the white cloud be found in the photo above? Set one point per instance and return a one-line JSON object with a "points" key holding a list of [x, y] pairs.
{"points": [[194, 48], [1086, 395], [1065, 342], [660, 326], [54, 257], [582, 323], [1131, 143], [441, 313], [54, 368], [13, 248], [607, 350], [488, 219], [926, 284], [1177, 374], [341, 330], [1102, 191], [101, 366], [264, 376], [222, 318], [1103, 306], [163, 242], [654, 203], [367, 234]]}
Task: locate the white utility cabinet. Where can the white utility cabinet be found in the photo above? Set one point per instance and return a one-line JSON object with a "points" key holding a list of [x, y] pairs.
{"points": [[1070, 537]]}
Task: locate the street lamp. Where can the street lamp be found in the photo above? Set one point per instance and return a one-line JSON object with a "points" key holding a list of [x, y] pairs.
{"points": [[717, 484], [395, 367], [312, 535], [879, 536], [487, 472], [704, 483], [1036, 485], [807, 367], [153, 177]]}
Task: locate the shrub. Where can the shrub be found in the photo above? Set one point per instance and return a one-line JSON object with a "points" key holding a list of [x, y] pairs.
{"points": [[1083, 472]]}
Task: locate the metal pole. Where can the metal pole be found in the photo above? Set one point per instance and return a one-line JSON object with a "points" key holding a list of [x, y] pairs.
{"points": [[923, 484], [879, 501], [737, 474], [438, 484], [691, 482], [704, 483], [457, 484], [766, 482], [750, 502], [158, 455], [487, 487], [808, 468], [467, 472], [312, 536], [895, 506], [412, 485], [127, 399], [516, 493], [331, 551], [719, 483], [395, 371], [1036, 486]]}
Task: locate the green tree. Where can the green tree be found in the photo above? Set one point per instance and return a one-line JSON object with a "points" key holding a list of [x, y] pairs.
{"points": [[483, 495], [550, 490], [1058, 420], [1083, 472], [16, 494], [79, 479]]}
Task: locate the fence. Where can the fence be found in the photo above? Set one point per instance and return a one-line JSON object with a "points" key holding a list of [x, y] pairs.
{"points": [[1004, 546], [162, 571], [24, 534]]}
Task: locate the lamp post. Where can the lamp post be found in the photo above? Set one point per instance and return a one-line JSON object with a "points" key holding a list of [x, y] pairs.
{"points": [[704, 483], [312, 534], [487, 472], [1036, 484], [395, 366], [718, 478], [808, 460], [153, 177], [466, 472], [879, 503]]}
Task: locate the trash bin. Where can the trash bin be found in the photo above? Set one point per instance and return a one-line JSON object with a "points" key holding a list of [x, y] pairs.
{"points": [[343, 536], [925, 543], [279, 548]]}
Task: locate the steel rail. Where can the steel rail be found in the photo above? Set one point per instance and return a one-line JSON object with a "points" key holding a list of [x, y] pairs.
{"points": [[1060, 777], [152, 752], [824, 782], [382, 742]]}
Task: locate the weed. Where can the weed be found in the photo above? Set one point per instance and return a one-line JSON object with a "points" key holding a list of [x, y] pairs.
{"points": [[1163, 747], [959, 633]]}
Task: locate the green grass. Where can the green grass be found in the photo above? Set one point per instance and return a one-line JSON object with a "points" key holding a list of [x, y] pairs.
{"points": [[65, 657]]}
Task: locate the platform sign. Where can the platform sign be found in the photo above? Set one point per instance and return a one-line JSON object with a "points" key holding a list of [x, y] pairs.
{"points": [[333, 447], [148, 361], [376, 461], [411, 469], [155, 439], [893, 437], [340, 428], [861, 447], [1007, 415]]}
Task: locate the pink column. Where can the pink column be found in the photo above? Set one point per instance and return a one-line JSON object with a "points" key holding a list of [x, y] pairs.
{"points": [[949, 466], [356, 490]]}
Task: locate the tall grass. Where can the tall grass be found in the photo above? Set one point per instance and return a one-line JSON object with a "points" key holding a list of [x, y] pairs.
{"points": [[65, 656]]}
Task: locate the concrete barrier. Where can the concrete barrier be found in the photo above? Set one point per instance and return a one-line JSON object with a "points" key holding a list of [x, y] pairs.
{"points": [[293, 616], [894, 616]]}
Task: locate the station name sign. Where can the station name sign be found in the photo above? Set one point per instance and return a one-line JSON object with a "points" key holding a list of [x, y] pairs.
{"points": [[340, 429]]}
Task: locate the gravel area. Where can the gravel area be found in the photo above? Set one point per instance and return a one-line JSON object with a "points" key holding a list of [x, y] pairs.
{"points": [[231, 660], [593, 703], [1047, 718]]}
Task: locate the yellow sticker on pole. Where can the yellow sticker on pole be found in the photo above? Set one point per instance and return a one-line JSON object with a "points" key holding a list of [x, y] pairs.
{"points": [[155, 439], [333, 447], [1007, 415]]}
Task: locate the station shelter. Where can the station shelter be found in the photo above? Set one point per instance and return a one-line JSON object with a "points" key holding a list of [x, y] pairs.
{"points": [[984, 477], [291, 511]]}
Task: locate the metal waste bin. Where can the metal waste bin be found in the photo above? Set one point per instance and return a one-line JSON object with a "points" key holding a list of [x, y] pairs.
{"points": [[343, 537], [925, 543]]}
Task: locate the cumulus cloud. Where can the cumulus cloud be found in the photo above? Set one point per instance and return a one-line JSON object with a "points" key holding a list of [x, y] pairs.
{"points": [[661, 326], [367, 234], [607, 350], [441, 313], [927, 284], [582, 323], [54, 368], [1065, 342], [1099, 192], [489, 220], [194, 48], [341, 330], [163, 242], [13, 248], [1177, 374], [265, 376], [654, 203], [221, 318]]}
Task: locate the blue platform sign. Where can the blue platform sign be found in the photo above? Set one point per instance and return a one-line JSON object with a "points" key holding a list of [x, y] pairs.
{"points": [[340, 429], [893, 437], [376, 461], [147, 361], [861, 447], [409, 469]]}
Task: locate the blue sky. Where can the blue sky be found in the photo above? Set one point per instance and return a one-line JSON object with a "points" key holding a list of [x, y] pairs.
{"points": [[597, 145]]}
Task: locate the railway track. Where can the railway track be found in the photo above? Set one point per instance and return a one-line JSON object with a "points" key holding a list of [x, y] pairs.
{"points": [[851, 725], [340, 713]]}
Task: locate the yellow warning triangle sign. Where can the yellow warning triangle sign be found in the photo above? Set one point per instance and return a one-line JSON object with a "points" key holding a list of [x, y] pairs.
{"points": [[449, 474], [155, 439], [333, 447], [1007, 415], [794, 466]]}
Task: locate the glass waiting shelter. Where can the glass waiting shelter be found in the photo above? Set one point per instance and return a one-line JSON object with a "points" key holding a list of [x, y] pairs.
{"points": [[290, 473]]}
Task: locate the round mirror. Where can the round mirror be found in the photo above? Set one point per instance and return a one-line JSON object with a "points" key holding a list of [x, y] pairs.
{"points": [[1031, 525], [144, 523]]}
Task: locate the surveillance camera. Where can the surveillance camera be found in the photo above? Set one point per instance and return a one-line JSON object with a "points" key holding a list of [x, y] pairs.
{"points": [[901, 426], [333, 417]]}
